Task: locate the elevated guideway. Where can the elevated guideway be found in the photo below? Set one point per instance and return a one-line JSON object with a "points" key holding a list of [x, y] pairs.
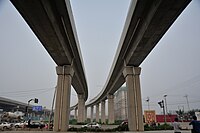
{"points": [[53, 24], [147, 21], [9, 105]]}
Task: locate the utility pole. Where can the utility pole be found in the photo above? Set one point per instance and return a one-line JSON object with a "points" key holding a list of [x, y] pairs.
{"points": [[52, 105], [186, 96]]}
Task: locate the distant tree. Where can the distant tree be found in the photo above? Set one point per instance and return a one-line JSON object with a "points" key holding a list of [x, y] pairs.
{"points": [[180, 112], [186, 115], [192, 112]]}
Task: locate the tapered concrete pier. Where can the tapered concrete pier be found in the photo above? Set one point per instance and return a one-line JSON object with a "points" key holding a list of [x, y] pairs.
{"points": [[135, 116], [62, 106], [111, 119]]}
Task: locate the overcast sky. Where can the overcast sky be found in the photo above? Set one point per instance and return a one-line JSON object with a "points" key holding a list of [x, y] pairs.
{"points": [[172, 68]]}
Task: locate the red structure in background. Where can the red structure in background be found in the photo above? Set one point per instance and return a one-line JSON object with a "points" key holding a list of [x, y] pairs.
{"points": [[169, 118]]}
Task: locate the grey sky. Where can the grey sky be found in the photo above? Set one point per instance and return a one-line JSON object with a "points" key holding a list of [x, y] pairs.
{"points": [[172, 68]]}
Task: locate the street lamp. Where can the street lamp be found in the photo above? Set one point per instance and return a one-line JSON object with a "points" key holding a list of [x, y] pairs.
{"points": [[147, 100], [165, 103], [186, 96]]}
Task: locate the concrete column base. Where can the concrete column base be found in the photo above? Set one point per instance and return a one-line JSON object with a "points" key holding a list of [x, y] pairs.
{"points": [[135, 115], [111, 118], [62, 106], [103, 115], [97, 112], [85, 117], [75, 113], [92, 112], [81, 109]]}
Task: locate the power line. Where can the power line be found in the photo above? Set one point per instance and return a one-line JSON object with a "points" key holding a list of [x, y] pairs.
{"points": [[24, 91], [176, 103], [28, 94], [182, 86]]}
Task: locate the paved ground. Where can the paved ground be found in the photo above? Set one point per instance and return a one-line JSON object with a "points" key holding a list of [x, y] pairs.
{"points": [[171, 131], [183, 125], [102, 126]]}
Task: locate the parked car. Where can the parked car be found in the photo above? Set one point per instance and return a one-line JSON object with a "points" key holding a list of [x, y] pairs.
{"points": [[124, 123], [123, 126], [91, 125], [20, 124], [5, 125], [36, 125]]}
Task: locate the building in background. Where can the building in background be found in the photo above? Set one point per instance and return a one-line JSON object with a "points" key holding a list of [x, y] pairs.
{"points": [[120, 104], [121, 109]]}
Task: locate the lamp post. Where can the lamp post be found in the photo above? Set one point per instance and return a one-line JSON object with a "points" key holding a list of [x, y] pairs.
{"points": [[166, 103], [186, 96], [147, 100]]}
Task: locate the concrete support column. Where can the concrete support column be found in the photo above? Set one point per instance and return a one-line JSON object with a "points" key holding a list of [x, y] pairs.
{"points": [[103, 114], [85, 114], [75, 113], [62, 106], [135, 115], [81, 108], [111, 119], [136, 72], [97, 112], [92, 113]]}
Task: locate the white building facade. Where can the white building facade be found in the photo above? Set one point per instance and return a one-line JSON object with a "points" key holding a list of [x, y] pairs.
{"points": [[120, 104]]}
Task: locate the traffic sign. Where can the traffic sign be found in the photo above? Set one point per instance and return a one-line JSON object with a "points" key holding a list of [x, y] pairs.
{"points": [[37, 108]]}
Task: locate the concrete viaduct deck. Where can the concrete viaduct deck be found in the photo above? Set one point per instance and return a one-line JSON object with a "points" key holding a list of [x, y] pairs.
{"points": [[9, 105], [53, 24], [146, 23]]}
